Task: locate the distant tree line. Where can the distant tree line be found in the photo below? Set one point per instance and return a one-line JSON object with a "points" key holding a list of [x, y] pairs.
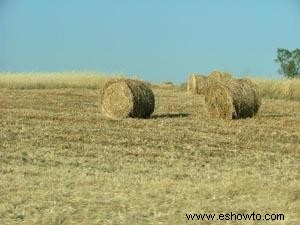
{"points": [[289, 62]]}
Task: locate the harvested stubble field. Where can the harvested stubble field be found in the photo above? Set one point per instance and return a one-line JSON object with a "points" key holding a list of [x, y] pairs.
{"points": [[63, 162]]}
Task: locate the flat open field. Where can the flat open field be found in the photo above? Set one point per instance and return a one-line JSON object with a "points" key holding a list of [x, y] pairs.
{"points": [[63, 162]]}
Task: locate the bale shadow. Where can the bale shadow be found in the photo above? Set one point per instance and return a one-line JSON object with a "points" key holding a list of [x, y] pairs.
{"points": [[170, 115]]}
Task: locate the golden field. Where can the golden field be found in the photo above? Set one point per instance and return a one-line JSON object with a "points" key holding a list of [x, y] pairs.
{"points": [[63, 162], [80, 80]]}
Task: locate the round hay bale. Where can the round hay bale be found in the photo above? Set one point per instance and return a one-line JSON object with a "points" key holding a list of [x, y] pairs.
{"points": [[222, 77], [237, 99], [197, 84], [124, 98]]}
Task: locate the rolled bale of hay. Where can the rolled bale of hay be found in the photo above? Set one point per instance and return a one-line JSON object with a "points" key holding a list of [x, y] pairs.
{"points": [[222, 77], [197, 84], [122, 98], [239, 98]]}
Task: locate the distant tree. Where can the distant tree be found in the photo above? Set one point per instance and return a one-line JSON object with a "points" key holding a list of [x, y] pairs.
{"points": [[289, 62]]}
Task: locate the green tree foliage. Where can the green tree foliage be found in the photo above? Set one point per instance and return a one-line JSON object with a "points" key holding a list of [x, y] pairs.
{"points": [[289, 62]]}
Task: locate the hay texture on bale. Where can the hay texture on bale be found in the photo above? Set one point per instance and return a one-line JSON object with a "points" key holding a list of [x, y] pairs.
{"points": [[122, 98], [239, 98], [197, 84], [222, 77]]}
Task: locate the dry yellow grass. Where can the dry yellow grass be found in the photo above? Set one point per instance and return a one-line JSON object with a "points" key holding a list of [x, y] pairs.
{"points": [[280, 89], [62, 162], [88, 80]]}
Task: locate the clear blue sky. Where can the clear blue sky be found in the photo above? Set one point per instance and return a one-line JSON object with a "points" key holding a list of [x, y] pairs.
{"points": [[158, 40]]}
